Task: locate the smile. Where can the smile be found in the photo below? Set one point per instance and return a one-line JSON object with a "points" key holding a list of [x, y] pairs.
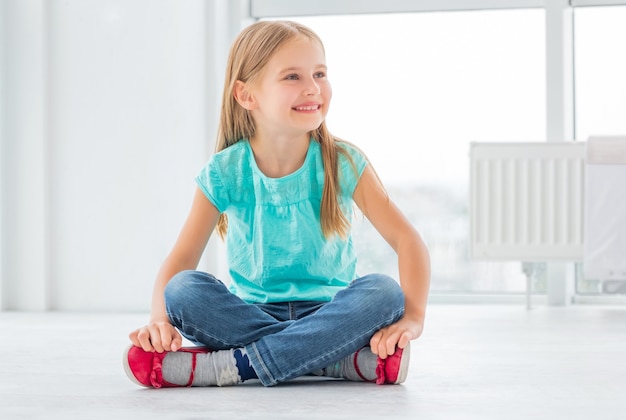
{"points": [[307, 108]]}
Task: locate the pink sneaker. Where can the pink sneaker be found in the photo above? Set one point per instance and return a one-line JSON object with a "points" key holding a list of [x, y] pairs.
{"points": [[144, 368], [393, 369]]}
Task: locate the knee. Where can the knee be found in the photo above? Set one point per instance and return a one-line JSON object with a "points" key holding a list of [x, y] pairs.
{"points": [[176, 286], [175, 289], [384, 291], [182, 287]]}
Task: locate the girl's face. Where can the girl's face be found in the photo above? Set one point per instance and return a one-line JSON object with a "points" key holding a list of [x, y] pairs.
{"points": [[293, 93]]}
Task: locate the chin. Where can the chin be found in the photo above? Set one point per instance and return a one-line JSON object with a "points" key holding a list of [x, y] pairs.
{"points": [[315, 126]]}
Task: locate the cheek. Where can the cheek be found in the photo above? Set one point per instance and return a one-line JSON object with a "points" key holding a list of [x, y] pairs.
{"points": [[327, 93]]}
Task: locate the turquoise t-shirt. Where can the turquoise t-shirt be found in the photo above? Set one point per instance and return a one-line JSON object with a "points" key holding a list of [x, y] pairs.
{"points": [[275, 247]]}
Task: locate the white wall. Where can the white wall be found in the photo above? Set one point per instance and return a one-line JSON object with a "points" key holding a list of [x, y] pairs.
{"points": [[110, 111]]}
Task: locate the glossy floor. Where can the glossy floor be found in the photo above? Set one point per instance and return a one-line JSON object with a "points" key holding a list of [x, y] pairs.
{"points": [[473, 362]]}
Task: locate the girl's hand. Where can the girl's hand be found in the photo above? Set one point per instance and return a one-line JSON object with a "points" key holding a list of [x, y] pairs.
{"points": [[383, 343], [157, 336]]}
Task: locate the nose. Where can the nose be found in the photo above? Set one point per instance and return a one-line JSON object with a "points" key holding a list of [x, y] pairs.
{"points": [[312, 88]]}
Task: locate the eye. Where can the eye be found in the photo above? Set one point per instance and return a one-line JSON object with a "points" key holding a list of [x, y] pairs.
{"points": [[319, 75], [292, 77]]}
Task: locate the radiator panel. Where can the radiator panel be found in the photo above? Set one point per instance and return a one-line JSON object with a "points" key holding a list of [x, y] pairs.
{"points": [[526, 201]]}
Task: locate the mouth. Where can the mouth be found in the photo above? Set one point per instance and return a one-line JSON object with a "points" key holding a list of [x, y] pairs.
{"points": [[307, 107]]}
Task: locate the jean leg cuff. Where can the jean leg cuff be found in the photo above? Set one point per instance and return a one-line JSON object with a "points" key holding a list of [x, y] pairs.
{"points": [[259, 365]]}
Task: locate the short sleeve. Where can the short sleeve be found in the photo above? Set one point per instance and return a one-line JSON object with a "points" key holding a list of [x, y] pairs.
{"points": [[350, 170], [210, 182]]}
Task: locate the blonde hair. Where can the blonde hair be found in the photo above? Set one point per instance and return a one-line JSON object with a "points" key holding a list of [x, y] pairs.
{"points": [[248, 56]]}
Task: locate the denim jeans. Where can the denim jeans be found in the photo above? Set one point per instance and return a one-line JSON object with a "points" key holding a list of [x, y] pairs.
{"points": [[287, 339]]}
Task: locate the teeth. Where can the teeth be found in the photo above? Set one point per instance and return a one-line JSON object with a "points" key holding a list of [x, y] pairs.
{"points": [[307, 108]]}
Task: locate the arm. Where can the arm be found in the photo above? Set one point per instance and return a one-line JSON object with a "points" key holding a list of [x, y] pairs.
{"points": [[159, 335], [413, 262]]}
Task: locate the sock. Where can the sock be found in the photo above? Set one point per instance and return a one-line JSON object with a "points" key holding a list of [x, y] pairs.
{"points": [[243, 365], [365, 364], [216, 368], [176, 368]]}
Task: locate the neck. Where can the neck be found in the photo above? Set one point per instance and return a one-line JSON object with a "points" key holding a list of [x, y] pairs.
{"points": [[279, 156]]}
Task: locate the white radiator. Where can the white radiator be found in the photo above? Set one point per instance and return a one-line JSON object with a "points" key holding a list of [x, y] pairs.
{"points": [[526, 201]]}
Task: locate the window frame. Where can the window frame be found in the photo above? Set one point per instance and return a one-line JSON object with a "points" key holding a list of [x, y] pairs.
{"points": [[280, 8], [585, 3]]}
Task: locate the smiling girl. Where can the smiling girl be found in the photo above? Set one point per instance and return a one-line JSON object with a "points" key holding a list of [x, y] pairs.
{"points": [[279, 190]]}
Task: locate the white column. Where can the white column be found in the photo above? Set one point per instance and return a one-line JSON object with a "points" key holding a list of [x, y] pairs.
{"points": [[560, 117], [24, 157], [559, 71]]}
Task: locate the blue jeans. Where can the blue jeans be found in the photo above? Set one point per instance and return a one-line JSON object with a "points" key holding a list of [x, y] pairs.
{"points": [[287, 339]]}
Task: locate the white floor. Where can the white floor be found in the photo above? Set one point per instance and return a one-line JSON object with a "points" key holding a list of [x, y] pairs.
{"points": [[473, 362]]}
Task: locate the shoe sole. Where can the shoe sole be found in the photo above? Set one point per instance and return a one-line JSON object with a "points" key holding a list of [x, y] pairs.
{"points": [[127, 369], [404, 364]]}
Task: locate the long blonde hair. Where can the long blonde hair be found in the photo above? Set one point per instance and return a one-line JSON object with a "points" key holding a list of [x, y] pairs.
{"points": [[248, 56]]}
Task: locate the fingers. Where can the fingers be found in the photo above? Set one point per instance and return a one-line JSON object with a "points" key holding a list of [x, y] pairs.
{"points": [[385, 341], [404, 340], [177, 341], [165, 340], [374, 341], [138, 338], [145, 340], [154, 337], [157, 337], [170, 338], [134, 339]]}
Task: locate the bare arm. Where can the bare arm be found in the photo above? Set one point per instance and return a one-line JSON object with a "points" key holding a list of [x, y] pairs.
{"points": [[159, 335], [413, 262]]}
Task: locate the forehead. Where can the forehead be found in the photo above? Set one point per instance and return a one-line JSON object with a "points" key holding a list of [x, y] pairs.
{"points": [[299, 50]]}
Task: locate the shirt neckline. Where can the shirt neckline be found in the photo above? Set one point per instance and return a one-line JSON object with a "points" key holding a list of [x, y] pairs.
{"points": [[295, 173]]}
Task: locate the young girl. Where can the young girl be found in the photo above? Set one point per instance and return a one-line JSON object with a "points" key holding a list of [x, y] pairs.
{"points": [[280, 189]]}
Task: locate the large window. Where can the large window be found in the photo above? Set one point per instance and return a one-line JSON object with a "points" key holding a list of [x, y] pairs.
{"points": [[413, 90], [600, 65]]}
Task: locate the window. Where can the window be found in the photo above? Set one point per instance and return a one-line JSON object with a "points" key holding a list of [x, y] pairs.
{"points": [[600, 68], [414, 90]]}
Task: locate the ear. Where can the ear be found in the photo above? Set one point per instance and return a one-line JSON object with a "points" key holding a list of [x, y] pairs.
{"points": [[243, 96]]}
